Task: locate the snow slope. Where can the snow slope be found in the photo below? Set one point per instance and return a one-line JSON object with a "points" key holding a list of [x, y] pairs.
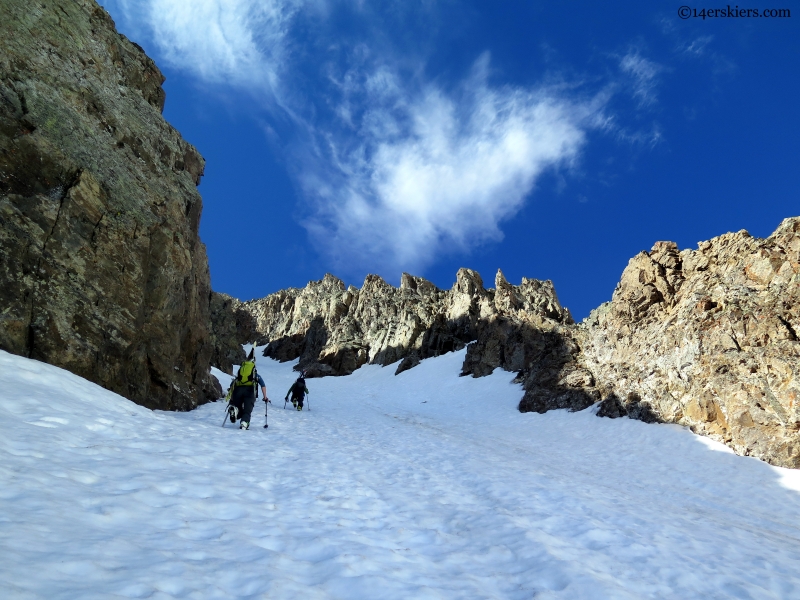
{"points": [[424, 485]]}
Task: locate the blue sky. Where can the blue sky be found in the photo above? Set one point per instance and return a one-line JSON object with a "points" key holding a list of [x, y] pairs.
{"points": [[551, 140]]}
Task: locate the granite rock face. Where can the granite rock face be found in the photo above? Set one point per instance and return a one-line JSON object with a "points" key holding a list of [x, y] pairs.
{"points": [[334, 329], [707, 338], [102, 271]]}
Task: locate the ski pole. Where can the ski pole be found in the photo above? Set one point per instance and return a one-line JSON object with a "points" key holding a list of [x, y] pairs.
{"points": [[266, 412], [307, 402], [226, 414], [285, 400], [228, 397]]}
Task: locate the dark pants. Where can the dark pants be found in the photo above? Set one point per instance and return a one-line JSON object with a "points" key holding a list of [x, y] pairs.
{"points": [[244, 398], [298, 400]]}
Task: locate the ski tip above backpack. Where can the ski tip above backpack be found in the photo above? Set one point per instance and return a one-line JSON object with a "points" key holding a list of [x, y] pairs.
{"points": [[252, 354]]}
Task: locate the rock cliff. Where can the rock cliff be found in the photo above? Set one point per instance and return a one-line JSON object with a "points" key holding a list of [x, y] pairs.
{"points": [[707, 338], [101, 268]]}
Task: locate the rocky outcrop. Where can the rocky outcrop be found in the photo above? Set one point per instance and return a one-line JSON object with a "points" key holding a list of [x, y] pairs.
{"points": [[101, 268], [335, 329], [707, 338]]}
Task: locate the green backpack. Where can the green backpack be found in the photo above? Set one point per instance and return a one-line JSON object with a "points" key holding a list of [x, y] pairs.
{"points": [[246, 374]]}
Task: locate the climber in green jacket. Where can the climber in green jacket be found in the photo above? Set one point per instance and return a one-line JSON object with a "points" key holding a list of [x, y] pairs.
{"points": [[243, 392]]}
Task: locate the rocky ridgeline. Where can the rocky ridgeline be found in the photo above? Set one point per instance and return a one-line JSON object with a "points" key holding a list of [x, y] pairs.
{"points": [[704, 338], [334, 329], [101, 268]]}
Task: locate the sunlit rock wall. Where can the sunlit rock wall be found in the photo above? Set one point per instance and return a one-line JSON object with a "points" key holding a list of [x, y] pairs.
{"points": [[102, 271]]}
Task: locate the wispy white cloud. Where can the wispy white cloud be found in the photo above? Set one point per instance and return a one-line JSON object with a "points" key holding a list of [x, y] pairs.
{"points": [[235, 41], [643, 74], [438, 172], [243, 43], [689, 46], [697, 46]]}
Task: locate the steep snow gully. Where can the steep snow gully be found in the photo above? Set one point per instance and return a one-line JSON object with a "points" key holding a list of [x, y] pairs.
{"points": [[424, 485]]}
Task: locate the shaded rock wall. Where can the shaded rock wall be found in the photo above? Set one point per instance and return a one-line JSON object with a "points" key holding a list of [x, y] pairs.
{"points": [[101, 268], [230, 323]]}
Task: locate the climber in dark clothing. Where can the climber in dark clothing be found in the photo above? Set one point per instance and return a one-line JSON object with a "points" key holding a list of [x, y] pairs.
{"points": [[244, 391], [298, 392]]}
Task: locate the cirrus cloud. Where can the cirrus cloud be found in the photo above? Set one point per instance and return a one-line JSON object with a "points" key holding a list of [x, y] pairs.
{"points": [[436, 172]]}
